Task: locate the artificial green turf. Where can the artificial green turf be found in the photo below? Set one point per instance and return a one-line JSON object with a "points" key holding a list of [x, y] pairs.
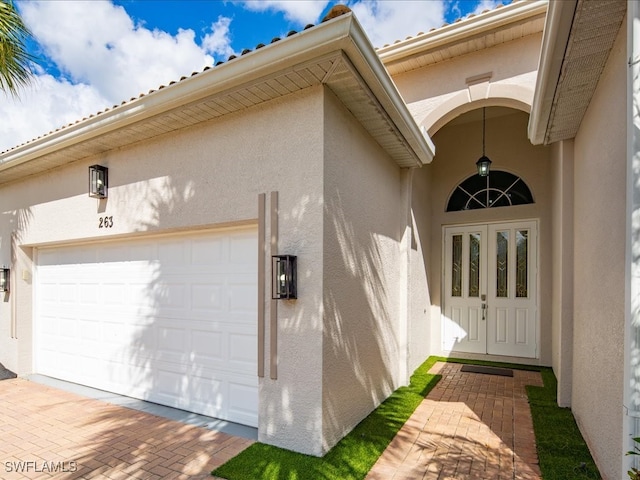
{"points": [[562, 452], [352, 457]]}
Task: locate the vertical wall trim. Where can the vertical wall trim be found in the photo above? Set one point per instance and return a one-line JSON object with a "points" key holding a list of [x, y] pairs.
{"points": [[262, 198], [11, 294], [273, 331]]}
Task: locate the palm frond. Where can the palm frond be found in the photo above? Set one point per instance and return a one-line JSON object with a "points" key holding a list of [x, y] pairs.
{"points": [[15, 59]]}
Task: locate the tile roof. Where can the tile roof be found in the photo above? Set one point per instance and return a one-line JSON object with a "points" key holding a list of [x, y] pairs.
{"points": [[336, 55], [458, 20]]}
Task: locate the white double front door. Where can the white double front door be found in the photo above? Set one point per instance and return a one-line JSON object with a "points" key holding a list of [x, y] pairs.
{"points": [[489, 289]]}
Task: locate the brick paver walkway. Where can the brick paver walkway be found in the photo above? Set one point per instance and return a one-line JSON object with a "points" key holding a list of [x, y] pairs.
{"points": [[50, 433], [470, 426]]}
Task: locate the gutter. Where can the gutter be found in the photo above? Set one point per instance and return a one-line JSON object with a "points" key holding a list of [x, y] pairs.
{"points": [[555, 38]]}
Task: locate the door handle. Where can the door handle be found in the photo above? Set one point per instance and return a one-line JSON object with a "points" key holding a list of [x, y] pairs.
{"points": [[483, 297]]}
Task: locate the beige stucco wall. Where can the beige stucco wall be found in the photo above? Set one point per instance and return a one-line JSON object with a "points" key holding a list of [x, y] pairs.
{"points": [[201, 177], [562, 267], [420, 275], [599, 278], [440, 92], [458, 146], [362, 275]]}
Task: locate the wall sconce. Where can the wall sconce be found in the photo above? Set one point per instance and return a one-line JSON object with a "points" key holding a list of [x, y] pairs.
{"points": [[4, 279], [98, 181], [283, 284]]}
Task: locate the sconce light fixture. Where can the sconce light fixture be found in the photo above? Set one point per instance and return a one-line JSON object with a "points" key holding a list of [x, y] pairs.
{"points": [[4, 279], [483, 163], [98, 181], [283, 284]]}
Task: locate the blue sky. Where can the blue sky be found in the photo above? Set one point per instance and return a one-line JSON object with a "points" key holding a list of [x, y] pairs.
{"points": [[94, 54]]}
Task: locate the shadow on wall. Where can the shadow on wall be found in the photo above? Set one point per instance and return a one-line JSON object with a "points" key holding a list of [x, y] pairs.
{"points": [[361, 346]]}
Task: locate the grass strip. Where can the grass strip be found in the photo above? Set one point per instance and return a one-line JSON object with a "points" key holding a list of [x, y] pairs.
{"points": [[349, 459], [562, 452]]}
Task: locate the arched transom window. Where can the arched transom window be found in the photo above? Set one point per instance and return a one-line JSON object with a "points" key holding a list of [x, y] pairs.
{"points": [[498, 189]]}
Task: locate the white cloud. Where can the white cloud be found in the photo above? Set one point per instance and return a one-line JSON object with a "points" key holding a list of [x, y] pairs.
{"points": [[486, 5], [97, 43], [218, 42], [302, 12], [45, 106], [387, 21], [105, 58]]}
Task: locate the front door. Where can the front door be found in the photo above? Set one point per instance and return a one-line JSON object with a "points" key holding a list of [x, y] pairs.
{"points": [[490, 299]]}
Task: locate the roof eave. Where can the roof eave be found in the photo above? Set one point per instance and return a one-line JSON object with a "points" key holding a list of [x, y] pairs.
{"points": [[341, 33], [554, 44], [371, 67], [462, 30]]}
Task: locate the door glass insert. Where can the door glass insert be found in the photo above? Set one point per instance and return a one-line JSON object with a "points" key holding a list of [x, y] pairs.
{"points": [[456, 266], [502, 264], [474, 264], [522, 246]]}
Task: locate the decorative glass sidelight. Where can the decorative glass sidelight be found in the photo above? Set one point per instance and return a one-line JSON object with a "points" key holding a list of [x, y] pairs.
{"points": [[522, 263], [456, 266], [474, 264], [502, 264]]}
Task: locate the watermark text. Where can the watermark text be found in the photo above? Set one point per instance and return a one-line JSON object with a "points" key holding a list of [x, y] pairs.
{"points": [[20, 466]]}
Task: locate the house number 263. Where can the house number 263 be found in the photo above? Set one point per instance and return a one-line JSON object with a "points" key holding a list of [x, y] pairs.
{"points": [[106, 222]]}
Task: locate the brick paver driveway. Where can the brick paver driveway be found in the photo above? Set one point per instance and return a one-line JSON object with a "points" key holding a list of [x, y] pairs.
{"points": [[50, 433]]}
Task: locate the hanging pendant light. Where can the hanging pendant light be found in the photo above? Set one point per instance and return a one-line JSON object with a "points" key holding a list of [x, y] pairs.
{"points": [[483, 162]]}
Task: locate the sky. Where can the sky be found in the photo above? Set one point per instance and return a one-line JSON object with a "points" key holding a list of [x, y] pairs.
{"points": [[94, 54]]}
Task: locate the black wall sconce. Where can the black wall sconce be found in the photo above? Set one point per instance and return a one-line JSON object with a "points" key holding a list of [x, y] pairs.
{"points": [[4, 279], [283, 284], [98, 181]]}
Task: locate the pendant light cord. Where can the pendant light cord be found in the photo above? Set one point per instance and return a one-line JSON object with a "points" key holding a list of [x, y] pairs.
{"points": [[483, 120]]}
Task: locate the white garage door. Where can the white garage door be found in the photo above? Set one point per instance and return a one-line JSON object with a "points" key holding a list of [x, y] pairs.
{"points": [[172, 320]]}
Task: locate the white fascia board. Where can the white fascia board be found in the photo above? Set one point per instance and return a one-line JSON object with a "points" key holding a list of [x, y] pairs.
{"points": [[557, 29], [340, 33], [463, 30]]}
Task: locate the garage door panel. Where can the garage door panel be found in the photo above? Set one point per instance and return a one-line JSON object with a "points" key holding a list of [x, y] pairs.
{"points": [[171, 320], [208, 252]]}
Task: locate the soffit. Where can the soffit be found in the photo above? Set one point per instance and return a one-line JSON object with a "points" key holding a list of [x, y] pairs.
{"points": [[335, 53], [477, 32], [577, 41], [594, 30]]}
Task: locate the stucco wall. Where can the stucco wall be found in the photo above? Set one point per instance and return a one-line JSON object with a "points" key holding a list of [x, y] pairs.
{"points": [[441, 91], [363, 227], [458, 146], [599, 278], [201, 177], [562, 267], [419, 269]]}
